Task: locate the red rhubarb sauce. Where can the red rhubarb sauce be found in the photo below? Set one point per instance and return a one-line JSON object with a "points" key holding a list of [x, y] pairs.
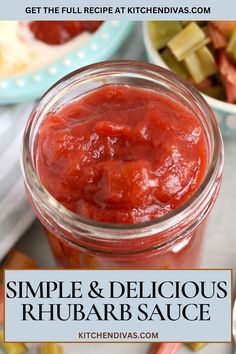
{"points": [[122, 155], [60, 32], [126, 155]]}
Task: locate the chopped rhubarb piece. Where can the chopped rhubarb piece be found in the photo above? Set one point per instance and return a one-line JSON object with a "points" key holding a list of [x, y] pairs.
{"points": [[12, 348], [205, 84], [17, 260], [51, 348], [227, 68], [14, 260], [230, 91], [228, 74], [231, 47], [218, 39], [196, 346], [165, 348], [225, 27]]}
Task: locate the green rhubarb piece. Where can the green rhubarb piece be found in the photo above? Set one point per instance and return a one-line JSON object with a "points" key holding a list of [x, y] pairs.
{"points": [[194, 67], [12, 348], [200, 64], [207, 61], [51, 348], [187, 41], [231, 48], [162, 31], [174, 64], [196, 346]]}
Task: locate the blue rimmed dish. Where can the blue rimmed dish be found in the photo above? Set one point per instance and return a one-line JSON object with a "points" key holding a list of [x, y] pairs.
{"points": [[101, 46]]}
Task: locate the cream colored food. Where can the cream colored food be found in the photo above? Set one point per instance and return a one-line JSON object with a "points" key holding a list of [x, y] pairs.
{"points": [[21, 53], [15, 55]]}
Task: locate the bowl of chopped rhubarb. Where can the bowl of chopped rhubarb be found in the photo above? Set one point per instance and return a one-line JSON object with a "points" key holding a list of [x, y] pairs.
{"points": [[34, 55], [203, 53]]}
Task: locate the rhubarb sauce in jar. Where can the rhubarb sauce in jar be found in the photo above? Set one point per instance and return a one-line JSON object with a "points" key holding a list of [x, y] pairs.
{"points": [[122, 163]]}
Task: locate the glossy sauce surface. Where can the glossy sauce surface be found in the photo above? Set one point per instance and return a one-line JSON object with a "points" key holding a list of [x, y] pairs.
{"points": [[122, 154]]}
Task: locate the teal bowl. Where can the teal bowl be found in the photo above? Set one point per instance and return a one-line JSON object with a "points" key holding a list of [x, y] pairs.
{"points": [[101, 46], [225, 113]]}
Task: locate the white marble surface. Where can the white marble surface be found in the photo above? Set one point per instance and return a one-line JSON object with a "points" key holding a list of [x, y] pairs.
{"points": [[220, 251]]}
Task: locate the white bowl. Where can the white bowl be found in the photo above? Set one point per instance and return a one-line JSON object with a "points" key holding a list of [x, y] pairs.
{"points": [[225, 113]]}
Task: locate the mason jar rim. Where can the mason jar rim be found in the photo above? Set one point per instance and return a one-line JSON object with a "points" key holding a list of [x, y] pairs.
{"points": [[165, 222]]}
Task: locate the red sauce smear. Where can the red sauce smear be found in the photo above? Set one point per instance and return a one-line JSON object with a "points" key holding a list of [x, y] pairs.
{"points": [[60, 32], [122, 154]]}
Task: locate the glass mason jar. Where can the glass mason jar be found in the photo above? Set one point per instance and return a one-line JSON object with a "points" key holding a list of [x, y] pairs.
{"points": [[172, 241]]}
